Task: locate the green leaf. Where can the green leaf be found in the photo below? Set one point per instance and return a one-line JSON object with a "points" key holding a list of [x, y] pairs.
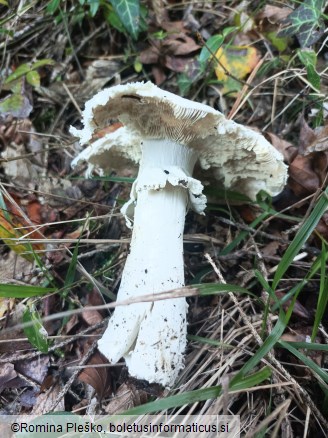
{"points": [[35, 332], [309, 60], [114, 21], [306, 22], [211, 47], [24, 69], [301, 237], [184, 84], [129, 14], [70, 276], [15, 105], [52, 6], [42, 63], [279, 43], [33, 78], [94, 7], [22, 291], [19, 72]]}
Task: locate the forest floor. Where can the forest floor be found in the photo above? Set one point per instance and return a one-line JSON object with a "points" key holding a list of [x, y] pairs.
{"points": [[260, 354]]}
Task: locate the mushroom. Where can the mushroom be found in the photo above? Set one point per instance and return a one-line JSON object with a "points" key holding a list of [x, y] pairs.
{"points": [[167, 135]]}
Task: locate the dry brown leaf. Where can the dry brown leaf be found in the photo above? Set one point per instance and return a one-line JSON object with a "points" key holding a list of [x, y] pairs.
{"points": [[284, 147], [35, 369], [91, 317], [180, 44], [176, 64], [302, 178], [298, 310], [274, 14], [271, 248], [126, 397], [7, 373], [45, 401], [98, 377]]}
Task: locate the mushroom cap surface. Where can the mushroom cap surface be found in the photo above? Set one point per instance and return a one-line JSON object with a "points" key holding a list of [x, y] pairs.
{"points": [[237, 156]]}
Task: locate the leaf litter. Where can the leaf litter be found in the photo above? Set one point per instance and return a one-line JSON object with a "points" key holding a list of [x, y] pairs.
{"points": [[36, 152]]}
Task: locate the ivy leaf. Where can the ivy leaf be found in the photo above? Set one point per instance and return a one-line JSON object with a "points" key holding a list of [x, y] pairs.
{"points": [[305, 22], [309, 60], [128, 12]]}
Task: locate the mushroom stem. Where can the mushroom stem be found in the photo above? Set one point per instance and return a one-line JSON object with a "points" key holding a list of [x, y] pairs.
{"points": [[152, 336]]}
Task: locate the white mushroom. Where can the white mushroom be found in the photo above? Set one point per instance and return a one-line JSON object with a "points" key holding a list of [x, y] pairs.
{"points": [[167, 135]]}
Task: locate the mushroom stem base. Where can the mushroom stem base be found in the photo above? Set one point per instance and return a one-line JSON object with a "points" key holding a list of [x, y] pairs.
{"points": [[152, 336]]}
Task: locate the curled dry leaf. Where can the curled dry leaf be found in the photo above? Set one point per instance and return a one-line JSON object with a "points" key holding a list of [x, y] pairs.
{"points": [[273, 14], [313, 140], [299, 310], [98, 376], [170, 52]]}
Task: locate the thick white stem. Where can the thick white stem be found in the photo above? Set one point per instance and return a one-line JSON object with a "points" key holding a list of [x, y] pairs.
{"points": [[152, 336]]}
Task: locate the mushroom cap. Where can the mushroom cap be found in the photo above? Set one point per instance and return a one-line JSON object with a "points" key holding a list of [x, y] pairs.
{"points": [[242, 159]]}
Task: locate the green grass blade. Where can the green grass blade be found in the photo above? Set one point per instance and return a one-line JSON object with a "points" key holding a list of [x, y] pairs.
{"points": [[267, 345], [323, 294], [70, 276], [22, 291], [306, 360], [308, 346], [198, 395], [301, 237], [243, 234], [215, 288]]}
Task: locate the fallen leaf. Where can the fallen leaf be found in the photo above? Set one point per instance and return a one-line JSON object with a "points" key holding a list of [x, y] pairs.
{"points": [[98, 377], [288, 151], [298, 310], [14, 226], [302, 178], [271, 248], [15, 105], [305, 22], [35, 369], [274, 14], [45, 400], [180, 44], [7, 373], [90, 316], [234, 62], [126, 397], [313, 140]]}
